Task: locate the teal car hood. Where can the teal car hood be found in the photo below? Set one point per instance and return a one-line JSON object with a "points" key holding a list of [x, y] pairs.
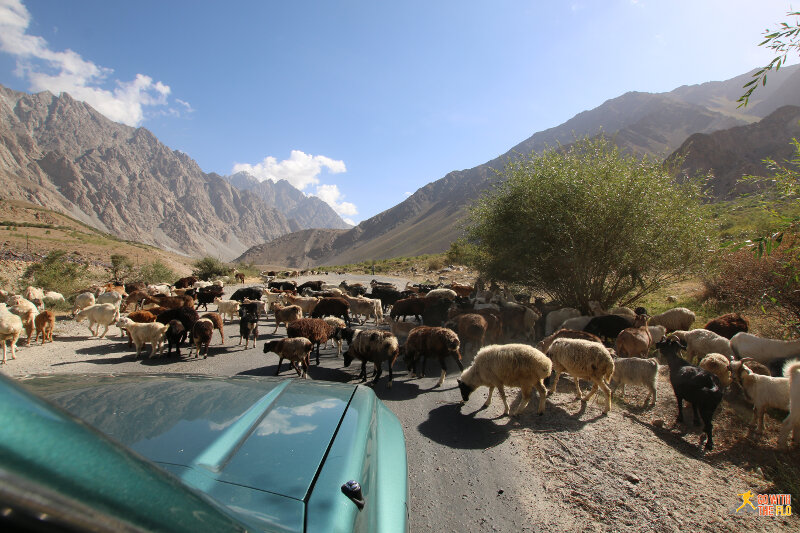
{"points": [[270, 436]]}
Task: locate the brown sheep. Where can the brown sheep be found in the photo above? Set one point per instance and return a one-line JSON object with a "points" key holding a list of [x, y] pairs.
{"points": [[45, 323], [218, 322], [372, 345], [427, 341], [332, 307], [635, 341], [728, 325], [471, 329], [562, 333], [314, 329], [202, 330], [285, 314]]}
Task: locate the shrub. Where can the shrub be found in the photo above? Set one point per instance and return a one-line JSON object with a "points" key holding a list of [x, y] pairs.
{"points": [[56, 273], [210, 267], [157, 272]]}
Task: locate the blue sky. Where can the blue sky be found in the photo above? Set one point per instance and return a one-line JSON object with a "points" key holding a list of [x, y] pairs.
{"points": [[363, 102]]}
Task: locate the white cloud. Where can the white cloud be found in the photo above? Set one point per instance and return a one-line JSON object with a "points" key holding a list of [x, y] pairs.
{"points": [[67, 71], [330, 195], [301, 169], [407, 194]]}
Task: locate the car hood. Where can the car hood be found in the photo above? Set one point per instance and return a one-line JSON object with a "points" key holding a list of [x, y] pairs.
{"points": [[249, 443]]}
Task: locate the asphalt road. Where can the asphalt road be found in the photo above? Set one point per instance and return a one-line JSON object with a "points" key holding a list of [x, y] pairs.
{"points": [[467, 470]]}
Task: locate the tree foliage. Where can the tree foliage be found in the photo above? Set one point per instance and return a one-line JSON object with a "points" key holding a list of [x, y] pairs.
{"points": [[210, 267], [586, 222], [783, 39], [56, 273], [157, 272], [121, 267]]}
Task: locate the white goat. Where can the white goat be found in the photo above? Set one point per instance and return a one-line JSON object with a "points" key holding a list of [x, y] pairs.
{"points": [[635, 371], [10, 330], [763, 350], [792, 422], [555, 318], [701, 342], [227, 307], [764, 392], [99, 315], [143, 333]]}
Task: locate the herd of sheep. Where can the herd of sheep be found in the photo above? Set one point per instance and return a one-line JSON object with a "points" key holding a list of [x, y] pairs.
{"points": [[608, 348]]}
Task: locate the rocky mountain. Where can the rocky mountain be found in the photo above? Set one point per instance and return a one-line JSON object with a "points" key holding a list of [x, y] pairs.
{"points": [[61, 153], [308, 211], [655, 124]]}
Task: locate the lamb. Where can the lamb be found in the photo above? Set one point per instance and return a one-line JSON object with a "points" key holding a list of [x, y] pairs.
{"points": [[719, 365], [149, 332], [513, 365], [701, 342], [175, 335], [763, 350], [545, 343], [792, 422], [285, 314], [553, 319], [582, 360], [765, 392], [98, 315], [635, 341], [296, 350], [693, 384], [202, 330], [332, 307], [728, 325], [226, 307], [677, 318], [635, 371], [471, 329], [428, 341], [372, 345], [82, 301], [45, 323], [10, 330], [219, 324], [314, 329]]}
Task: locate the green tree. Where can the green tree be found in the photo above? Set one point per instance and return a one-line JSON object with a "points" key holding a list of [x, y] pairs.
{"points": [[157, 272], [56, 273], [783, 39], [121, 266], [586, 222], [210, 267]]}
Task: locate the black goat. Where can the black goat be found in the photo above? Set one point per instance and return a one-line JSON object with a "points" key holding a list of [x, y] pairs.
{"points": [[175, 335], [251, 293], [608, 326], [692, 384]]}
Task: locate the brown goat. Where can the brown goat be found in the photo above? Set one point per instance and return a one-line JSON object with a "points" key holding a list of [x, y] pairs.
{"points": [[216, 319], [45, 323]]}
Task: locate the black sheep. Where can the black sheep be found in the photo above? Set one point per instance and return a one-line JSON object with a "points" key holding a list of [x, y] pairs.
{"points": [[206, 296], [251, 293], [608, 326], [175, 335], [186, 315], [332, 307]]}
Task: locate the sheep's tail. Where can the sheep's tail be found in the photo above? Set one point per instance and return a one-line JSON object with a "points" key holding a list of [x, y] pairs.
{"points": [[791, 370]]}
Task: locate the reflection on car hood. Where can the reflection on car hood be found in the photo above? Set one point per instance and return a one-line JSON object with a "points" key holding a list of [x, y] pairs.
{"points": [[269, 435]]}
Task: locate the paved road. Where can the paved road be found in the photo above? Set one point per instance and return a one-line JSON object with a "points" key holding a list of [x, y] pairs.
{"points": [[467, 470]]}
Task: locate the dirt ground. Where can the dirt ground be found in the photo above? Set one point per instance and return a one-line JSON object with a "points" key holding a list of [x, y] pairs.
{"points": [[577, 469]]}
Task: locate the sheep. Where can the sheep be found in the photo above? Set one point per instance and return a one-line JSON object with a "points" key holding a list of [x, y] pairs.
{"points": [[45, 323], [447, 294], [332, 307], [701, 342], [51, 297], [27, 313], [427, 341], [471, 328], [251, 293], [728, 325], [763, 350], [32, 293], [175, 335], [582, 359], [248, 327], [202, 330], [160, 288], [336, 322], [719, 365], [513, 365], [597, 310], [677, 318], [10, 330], [608, 326], [792, 421], [99, 315], [149, 332], [553, 319], [635, 371], [260, 305], [296, 350], [314, 329], [285, 314], [218, 323], [435, 311], [408, 306], [764, 392], [373, 345], [635, 341], [656, 333], [545, 343], [693, 384], [226, 307]]}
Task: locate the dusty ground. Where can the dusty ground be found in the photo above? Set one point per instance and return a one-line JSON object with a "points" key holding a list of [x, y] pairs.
{"points": [[471, 469]]}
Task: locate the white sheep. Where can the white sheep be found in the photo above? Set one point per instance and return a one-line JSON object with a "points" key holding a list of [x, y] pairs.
{"points": [[100, 315], [764, 392], [10, 330], [555, 318], [513, 365], [792, 422], [160, 288], [719, 365], [82, 301], [582, 359], [448, 294], [33, 293], [635, 371], [227, 307], [677, 318], [143, 333], [597, 310], [763, 350], [51, 297], [701, 342]]}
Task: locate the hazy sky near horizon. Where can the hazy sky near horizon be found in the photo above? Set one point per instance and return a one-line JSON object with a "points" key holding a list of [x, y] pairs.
{"points": [[361, 102]]}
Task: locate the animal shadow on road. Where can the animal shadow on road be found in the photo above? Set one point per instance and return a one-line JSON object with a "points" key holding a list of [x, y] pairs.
{"points": [[447, 426]]}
